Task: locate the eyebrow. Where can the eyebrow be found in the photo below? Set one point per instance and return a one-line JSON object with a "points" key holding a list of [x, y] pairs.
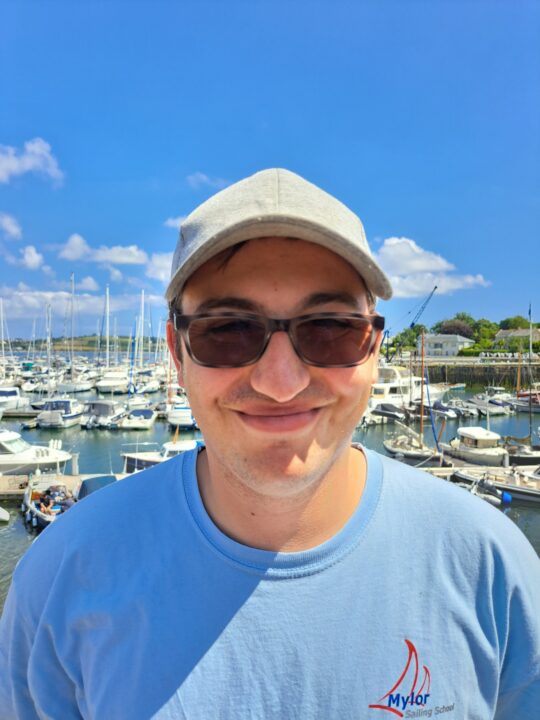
{"points": [[311, 301]]}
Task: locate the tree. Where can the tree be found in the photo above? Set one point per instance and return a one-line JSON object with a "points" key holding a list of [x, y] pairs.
{"points": [[484, 331], [517, 322], [456, 327]]}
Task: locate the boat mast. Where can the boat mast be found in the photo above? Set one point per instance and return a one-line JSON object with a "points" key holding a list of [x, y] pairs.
{"points": [[530, 374], [422, 372], [72, 313], [107, 327]]}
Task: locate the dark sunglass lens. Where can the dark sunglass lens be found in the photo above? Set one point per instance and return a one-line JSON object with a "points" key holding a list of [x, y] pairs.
{"points": [[334, 341], [225, 341]]}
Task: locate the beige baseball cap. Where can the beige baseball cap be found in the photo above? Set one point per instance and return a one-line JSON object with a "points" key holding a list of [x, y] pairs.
{"points": [[273, 203]]}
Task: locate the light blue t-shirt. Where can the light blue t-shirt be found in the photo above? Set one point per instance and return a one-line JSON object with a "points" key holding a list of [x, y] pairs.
{"points": [[134, 605]]}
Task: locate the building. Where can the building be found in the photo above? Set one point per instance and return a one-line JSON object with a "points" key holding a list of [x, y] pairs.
{"points": [[503, 336], [443, 345]]}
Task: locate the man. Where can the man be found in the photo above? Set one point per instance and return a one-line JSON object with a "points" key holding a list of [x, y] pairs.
{"points": [[282, 572]]}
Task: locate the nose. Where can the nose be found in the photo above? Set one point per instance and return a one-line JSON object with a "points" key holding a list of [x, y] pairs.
{"points": [[280, 374]]}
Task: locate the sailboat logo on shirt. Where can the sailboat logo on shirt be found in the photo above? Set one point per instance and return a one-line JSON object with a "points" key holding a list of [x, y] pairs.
{"points": [[407, 694]]}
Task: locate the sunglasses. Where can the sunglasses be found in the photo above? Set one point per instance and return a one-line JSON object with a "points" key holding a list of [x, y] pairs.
{"points": [[236, 339]]}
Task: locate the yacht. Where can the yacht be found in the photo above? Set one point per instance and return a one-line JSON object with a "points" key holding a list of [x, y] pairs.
{"points": [[11, 399], [60, 412], [114, 382], [180, 416], [19, 457], [102, 414], [397, 386], [138, 460]]}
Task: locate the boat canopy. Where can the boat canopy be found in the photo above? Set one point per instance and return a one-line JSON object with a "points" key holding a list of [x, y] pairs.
{"points": [[479, 437]]}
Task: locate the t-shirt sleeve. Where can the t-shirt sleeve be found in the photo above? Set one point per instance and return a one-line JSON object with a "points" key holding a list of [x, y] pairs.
{"points": [[519, 692]]}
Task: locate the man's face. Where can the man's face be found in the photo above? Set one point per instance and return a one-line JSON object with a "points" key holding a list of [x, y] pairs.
{"points": [[276, 426]]}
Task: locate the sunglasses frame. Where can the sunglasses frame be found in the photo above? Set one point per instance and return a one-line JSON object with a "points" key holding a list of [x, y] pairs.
{"points": [[182, 322]]}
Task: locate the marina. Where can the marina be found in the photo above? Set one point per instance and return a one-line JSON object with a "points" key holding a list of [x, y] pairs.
{"points": [[120, 433]]}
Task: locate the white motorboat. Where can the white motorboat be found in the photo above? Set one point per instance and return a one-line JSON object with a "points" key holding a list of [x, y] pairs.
{"points": [[486, 406], [60, 412], [11, 399], [102, 414], [180, 416], [478, 446], [135, 460], [397, 386], [114, 382], [137, 419], [19, 457]]}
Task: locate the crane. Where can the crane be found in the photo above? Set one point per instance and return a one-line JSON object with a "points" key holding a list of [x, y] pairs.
{"points": [[412, 324]]}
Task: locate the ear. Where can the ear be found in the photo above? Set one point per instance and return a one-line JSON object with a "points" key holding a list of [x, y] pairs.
{"points": [[171, 343]]}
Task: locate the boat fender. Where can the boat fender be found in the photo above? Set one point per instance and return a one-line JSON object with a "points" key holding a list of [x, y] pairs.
{"points": [[22, 507], [34, 522], [28, 516]]}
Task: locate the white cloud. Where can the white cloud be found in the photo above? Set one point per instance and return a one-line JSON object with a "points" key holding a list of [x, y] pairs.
{"points": [[120, 255], [414, 272], [22, 303], [115, 274], [76, 248], [36, 157], [10, 226], [199, 179], [47, 269], [174, 222], [88, 283], [31, 259], [401, 256], [159, 266]]}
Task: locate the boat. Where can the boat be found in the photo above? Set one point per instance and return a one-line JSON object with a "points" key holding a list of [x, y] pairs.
{"points": [[102, 414], [486, 406], [11, 399], [4, 515], [476, 445], [389, 411], [135, 460], [522, 483], [60, 412], [137, 419], [484, 489], [180, 416], [409, 445], [114, 382], [19, 457], [31, 505], [462, 408], [397, 386]]}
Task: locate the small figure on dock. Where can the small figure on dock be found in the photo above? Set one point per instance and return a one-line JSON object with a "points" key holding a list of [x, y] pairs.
{"points": [[281, 571]]}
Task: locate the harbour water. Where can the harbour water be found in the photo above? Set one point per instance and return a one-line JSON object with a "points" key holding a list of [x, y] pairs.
{"points": [[99, 452]]}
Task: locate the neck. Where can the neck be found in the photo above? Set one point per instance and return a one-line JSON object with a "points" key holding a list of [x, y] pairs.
{"points": [[283, 524]]}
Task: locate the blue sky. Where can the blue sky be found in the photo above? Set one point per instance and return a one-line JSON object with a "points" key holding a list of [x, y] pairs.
{"points": [[118, 118]]}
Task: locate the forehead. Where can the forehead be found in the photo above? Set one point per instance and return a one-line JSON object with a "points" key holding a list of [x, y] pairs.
{"points": [[274, 272]]}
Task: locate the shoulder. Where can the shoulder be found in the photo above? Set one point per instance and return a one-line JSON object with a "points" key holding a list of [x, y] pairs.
{"points": [[439, 513], [113, 526]]}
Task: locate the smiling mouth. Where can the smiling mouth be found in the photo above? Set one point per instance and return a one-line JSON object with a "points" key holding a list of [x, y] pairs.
{"points": [[284, 421]]}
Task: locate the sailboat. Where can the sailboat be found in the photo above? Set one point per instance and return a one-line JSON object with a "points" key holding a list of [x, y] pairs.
{"points": [[406, 443]]}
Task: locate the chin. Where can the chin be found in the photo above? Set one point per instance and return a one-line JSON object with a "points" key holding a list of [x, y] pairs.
{"points": [[281, 474]]}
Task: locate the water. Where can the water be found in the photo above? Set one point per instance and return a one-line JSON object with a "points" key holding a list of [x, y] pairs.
{"points": [[99, 452]]}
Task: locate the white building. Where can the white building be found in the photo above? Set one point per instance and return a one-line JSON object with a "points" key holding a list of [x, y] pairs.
{"points": [[443, 345]]}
